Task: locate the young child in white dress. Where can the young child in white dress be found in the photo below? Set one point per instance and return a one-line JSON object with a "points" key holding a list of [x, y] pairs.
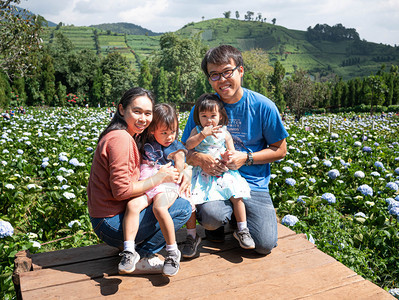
{"points": [[211, 136]]}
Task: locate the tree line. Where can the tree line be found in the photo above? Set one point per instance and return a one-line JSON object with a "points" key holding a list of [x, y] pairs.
{"points": [[59, 75]]}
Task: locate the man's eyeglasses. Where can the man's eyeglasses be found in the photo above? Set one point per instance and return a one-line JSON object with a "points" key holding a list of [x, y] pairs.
{"points": [[226, 74]]}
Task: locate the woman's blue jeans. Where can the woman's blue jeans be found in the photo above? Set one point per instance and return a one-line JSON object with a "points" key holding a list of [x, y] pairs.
{"points": [[149, 239], [261, 218]]}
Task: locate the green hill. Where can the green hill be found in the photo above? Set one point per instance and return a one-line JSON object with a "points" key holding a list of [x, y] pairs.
{"points": [[127, 28], [347, 58]]}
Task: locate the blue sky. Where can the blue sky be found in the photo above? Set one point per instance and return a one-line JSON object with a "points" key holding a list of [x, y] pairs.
{"points": [[375, 21]]}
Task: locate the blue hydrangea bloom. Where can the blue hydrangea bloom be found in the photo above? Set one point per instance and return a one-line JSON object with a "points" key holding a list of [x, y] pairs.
{"points": [[397, 198], [290, 181], [379, 164], [397, 171], [70, 224], [327, 163], [392, 186], [375, 174], [357, 144], [330, 198], [367, 149], [301, 200], [359, 174], [289, 220], [333, 173], [287, 169], [376, 144], [63, 158], [365, 190], [6, 229], [44, 164], [312, 180]]}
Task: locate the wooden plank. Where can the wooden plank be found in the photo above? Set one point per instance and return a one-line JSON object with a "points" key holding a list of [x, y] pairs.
{"points": [[358, 290], [55, 279], [73, 255]]}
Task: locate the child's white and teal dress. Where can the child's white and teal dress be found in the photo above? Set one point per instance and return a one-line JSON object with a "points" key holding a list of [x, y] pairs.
{"points": [[209, 188]]}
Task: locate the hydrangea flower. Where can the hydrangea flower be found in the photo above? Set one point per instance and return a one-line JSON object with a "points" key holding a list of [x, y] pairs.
{"points": [[301, 199], [44, 164], [375, 174], [6, 229], [334, 135], [5, 151], [36, 245], [392, 186], [287, 169], [327, 163], [334, 173], [359, 174], [63, 158], [357, 144], [69, 195], [70, 224], [89, 149], [397, 171], [20, 151], [360, 214], [367, 149], [74, 162], [365, 190], [65, 186], [310, 238], [290, 181], [312, 180], [289, 220], [379, 164], [330, 198], [10, 186]]}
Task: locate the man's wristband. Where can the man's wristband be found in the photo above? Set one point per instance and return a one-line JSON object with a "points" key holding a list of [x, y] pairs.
{"points": [[250, 159]]}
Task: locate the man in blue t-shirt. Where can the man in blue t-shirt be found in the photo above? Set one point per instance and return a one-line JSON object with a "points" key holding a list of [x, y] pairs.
{"points": [[259, 138]]}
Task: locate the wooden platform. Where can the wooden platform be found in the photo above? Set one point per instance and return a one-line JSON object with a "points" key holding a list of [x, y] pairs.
{"points": [[295, 269]]}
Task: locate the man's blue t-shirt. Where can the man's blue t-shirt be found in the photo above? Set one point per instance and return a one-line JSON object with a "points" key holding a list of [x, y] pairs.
{"points": [[254, 124]]}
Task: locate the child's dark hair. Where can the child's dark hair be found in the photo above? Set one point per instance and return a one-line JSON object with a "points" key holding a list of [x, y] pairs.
{"points": [[209, 102], [163, 114]]}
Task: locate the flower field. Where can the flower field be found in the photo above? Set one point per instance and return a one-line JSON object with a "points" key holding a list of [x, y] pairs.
{"points": [[340, 188]]}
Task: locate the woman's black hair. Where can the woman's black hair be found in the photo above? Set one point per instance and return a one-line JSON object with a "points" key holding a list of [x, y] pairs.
{"points": [[118, 122], [209, 102], [163, 114]]}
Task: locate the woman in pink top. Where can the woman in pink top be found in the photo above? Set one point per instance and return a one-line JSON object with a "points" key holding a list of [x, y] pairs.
{"points": [[114, 180]]}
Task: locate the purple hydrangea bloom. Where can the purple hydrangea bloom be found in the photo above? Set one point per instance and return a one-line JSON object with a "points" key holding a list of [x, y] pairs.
{"points": [[289, 220], [365, 190], [379, 164]]}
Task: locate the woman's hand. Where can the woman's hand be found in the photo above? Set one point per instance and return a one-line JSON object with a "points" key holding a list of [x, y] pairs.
{"points": [[168, 173]]}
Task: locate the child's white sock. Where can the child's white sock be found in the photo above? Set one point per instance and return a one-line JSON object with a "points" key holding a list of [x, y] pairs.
{"points": [[129, 246], [241, 225], [172, 247], [192, 232]]}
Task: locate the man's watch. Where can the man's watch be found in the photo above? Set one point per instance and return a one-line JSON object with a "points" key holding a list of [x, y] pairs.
{"points": [[250, 159]]}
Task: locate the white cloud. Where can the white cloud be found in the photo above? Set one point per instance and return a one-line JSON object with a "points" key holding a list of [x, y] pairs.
{"points": [[375, 21]]}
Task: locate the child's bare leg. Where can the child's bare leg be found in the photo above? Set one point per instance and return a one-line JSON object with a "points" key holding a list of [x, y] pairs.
{"points": [[131, 218], [130, 227], [162, 202], [239, 209], [191, 223]]}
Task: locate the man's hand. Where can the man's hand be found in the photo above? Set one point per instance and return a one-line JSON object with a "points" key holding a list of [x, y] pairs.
{"points": [[210, 165]]}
